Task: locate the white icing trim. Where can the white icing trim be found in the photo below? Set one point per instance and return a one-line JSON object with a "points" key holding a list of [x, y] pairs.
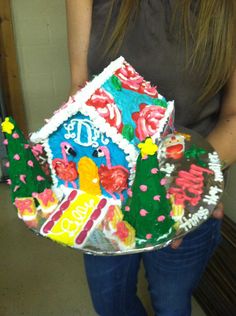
{"points": [[77, 102], [193, 220], [215, 165]]}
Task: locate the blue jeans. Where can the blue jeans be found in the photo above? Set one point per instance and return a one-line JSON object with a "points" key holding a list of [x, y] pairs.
{"points": [[172, 276]]}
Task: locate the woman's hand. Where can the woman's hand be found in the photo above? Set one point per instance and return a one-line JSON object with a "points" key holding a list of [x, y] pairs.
{"points": [[218, 213]]}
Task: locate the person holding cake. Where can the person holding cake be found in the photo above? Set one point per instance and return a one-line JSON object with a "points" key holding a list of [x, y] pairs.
{"points": [[188, 49]]}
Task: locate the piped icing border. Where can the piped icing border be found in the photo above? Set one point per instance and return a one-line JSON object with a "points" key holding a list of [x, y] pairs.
{"points": [[78, 101]]}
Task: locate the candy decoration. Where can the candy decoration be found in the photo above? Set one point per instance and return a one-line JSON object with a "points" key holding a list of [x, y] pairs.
{"points": [[7, 126], [27, 211], [47, 201], [148, 147]]}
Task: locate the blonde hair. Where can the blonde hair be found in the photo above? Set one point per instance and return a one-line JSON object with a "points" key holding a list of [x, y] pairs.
{"points": [[212, 30]]}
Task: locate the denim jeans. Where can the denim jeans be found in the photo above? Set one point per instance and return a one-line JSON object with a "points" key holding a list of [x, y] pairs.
{"points": [[172, 276]]}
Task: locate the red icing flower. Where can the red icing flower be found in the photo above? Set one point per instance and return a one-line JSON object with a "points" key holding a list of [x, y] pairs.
{"points": [[148, 120], [106, 107], [131, 80]]}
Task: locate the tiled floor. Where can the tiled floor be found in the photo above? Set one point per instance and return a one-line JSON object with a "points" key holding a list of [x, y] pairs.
{"points": [[41, 278]]}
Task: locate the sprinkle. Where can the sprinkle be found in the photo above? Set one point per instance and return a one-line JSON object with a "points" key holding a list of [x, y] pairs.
{"points": [[39, 178], [171, 213], [7, 164], [167, 195], [127, 208], [148, 236], [156, 198], [143, 188], [161, 218], [9, 182], [5, 142], [30, 163], [15, 135], [143, 212], [26, 146], [163, 181], [154, 170], [16, 157]]}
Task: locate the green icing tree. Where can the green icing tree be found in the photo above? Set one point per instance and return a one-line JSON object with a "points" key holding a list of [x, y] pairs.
{"points": [[26, 175], [147, 208]]}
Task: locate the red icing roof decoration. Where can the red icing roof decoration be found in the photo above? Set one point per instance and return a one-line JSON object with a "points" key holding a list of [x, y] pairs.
{"points": [[131, 80], [104, 103]]}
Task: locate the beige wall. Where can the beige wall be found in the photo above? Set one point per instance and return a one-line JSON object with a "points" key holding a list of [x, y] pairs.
{"points": [[40, 29]]}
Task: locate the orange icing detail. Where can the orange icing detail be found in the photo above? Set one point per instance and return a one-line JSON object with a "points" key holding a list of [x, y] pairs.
{"points": [[88, 176]]}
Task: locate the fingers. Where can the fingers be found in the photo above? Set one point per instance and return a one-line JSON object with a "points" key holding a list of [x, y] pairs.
{"points": [[176, 243], [218, 212]]}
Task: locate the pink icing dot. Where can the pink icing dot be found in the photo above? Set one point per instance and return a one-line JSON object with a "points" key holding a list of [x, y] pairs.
{"points": [[30, 163], [148, 236], [129, 192], [145, 157], [167, 195], [7, 164], [26, 146], [15, 135], [157, 197], [143, 188], [127, 208], [9, 182], [39, 178], [5, 142], [161, 218], [143, 212], [171, 213], [163, 181], [154, 170], [16, 157], [22, 178], [16, 188]]}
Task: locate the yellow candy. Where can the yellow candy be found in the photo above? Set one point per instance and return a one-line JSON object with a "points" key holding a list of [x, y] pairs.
{"points": [[148, 148], [7, 127]]}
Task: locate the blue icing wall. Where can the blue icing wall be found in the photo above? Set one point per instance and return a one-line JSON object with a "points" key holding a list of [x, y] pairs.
{"points": [[79, 132], [128, 101]]}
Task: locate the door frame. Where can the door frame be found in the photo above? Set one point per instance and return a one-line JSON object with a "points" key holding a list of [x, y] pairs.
{"points": [[9, 70]]}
